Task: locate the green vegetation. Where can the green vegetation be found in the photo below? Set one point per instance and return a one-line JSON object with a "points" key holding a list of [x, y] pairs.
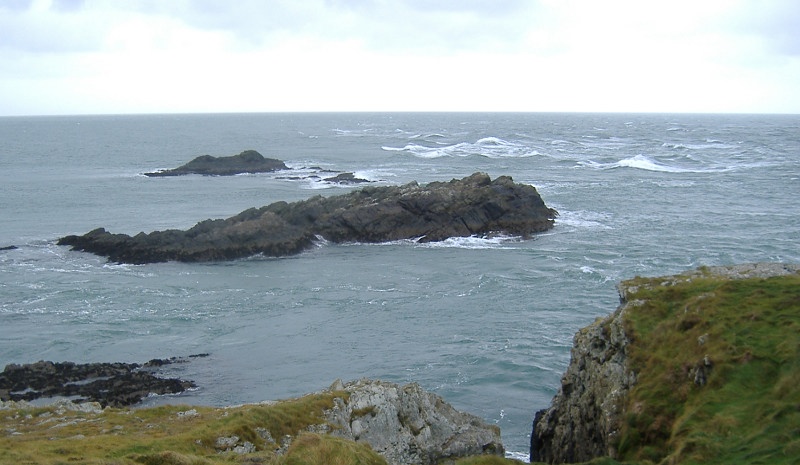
{"points": [[169, 435], [718, 368]]}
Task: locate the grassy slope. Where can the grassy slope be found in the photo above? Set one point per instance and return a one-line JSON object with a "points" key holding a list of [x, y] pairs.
{"points": [[168, 436], [746, 335]]}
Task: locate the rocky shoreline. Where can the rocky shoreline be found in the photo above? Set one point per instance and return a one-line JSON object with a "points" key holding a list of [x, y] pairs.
{"points": [[475, 205]]}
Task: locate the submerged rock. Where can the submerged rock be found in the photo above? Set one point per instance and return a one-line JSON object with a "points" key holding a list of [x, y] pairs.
{"points": [[109, 384], [408, 425], [346, 178], [475, 205], [248, 161]]}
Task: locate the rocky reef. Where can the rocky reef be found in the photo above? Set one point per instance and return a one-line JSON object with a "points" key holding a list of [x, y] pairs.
{"points": [[248, 161], [684, 370], [109, 384], [475, 205]]}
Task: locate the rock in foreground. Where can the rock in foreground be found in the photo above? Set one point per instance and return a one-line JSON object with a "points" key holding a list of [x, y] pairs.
{"points": [[700, 367], [408, 425], [475, 205], [248, 161]]}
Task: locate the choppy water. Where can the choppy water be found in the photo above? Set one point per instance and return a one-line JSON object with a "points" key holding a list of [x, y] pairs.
{"points": [[486, 323]]}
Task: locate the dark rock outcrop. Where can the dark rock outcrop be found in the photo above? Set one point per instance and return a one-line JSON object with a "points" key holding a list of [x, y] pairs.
{"points": [[9, 247], [248, 161], [475, 205], [110, 384]]}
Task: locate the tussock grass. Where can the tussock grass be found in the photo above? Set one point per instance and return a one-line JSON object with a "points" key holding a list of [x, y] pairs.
{"points": [[743, 336], [315, 449]]}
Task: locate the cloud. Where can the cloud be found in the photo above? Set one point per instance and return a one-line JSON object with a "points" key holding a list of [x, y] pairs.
{"points": [[545, 55]]}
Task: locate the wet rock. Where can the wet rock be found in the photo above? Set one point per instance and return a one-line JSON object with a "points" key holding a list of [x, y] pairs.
{"points": [[109, 384], [475, 205], [346, 178]]}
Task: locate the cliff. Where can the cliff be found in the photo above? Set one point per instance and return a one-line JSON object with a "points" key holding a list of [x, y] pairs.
{"points": [[475, 205], [700, 367]]}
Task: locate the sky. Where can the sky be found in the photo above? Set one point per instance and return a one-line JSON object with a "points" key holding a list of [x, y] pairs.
{"points": [[65, 57]]}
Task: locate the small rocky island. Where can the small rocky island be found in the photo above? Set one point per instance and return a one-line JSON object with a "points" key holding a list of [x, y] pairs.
{"points": [[248, 161], [475, 205]]}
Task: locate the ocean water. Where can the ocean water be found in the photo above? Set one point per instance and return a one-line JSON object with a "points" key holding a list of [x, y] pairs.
{"points": [[485, 322]]}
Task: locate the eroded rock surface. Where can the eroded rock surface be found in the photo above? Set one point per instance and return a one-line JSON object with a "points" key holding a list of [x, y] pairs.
{"points": [[475, 205], [408, 425]]}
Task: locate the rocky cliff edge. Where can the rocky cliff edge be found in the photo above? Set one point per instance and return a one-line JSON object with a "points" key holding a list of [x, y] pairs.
{"points": [[586, 417]]}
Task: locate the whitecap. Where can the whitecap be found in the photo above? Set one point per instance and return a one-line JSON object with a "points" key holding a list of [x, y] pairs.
{"points": [[638, 162], [489, 147]]}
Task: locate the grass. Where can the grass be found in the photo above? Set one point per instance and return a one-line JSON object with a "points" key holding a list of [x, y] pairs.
{"points": [[160, 435], [744, 337]]}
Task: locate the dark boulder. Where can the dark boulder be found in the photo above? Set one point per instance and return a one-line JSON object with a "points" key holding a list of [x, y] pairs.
{"points": [[248, 161], [475, 205]]}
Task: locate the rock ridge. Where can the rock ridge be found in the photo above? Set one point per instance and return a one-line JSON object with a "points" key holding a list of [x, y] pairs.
{"points": [[475, 205]]}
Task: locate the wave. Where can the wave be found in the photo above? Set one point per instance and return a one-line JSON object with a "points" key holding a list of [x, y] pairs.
{"points": [[489, 147], [644, 163], [473, 242]]}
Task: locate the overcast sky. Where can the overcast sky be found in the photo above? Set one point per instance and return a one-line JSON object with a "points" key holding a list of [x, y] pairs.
{"points": [[178, 56]]}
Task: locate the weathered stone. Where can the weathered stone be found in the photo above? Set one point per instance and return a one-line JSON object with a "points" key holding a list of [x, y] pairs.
{"points": [[408, 425], [475, 205], [248, 161]]}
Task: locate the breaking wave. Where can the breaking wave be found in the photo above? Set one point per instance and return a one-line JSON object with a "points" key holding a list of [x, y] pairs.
{"points": [[644, 163], [490, 147]]}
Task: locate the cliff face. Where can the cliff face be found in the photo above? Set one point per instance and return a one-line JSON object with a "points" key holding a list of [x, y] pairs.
{"points": [[584, 417], [694, 315]]}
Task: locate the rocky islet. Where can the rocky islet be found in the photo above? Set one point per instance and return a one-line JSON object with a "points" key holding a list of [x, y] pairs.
{"points": [[475, 205]]}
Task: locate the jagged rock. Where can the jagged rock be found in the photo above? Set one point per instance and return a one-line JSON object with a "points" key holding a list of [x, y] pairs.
{"points": [[408, 425], [475, 205], [583, 419], [109, 384], [9, 247], [248, 161]]}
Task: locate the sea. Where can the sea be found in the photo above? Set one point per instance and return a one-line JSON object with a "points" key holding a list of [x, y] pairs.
{"points": [[485, 322]]}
